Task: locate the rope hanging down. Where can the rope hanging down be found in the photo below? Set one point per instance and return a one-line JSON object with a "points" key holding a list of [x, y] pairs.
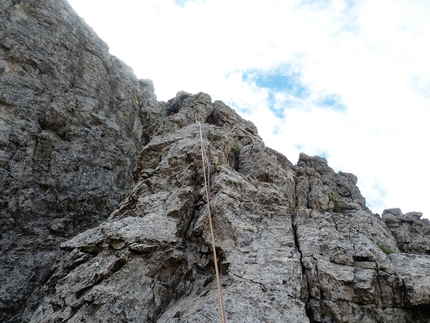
{"points": [[205, 162]]}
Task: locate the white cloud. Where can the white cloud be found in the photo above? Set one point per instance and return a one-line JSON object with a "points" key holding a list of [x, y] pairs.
{"points": [[372, 55]]}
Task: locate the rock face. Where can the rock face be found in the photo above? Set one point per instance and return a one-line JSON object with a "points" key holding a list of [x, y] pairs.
{"points": [[72, 122], [411, 232], [295, 243]]}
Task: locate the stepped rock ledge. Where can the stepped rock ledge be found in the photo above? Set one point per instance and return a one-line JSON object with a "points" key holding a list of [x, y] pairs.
{"points": [[103, 211]]}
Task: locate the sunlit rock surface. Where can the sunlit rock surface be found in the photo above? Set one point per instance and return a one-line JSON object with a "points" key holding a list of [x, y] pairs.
{"points": [[104, 214]]}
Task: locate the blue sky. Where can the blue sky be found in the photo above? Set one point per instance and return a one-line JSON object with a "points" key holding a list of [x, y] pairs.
{"points": [[349, 80], [281, 79], [181, 3], [285, 89]]}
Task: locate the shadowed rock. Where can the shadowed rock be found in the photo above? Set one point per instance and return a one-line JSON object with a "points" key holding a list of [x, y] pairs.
{"points": [[73, 119]]}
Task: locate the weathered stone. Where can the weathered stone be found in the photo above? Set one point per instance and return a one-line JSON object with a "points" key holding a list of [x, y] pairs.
{"points": [[414, 272], [279, 261], [295, 243], [250, 236], [412, 233], [73, 119]]}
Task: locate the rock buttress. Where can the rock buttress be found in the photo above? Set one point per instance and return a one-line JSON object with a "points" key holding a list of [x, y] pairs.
{"points": [[72, 121], [161, 234], [294, 243], [351, 260]]}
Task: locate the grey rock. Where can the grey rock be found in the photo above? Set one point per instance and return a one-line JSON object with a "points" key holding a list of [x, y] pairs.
{"points": [[412, 233], [73, 119], [320, 188], [414, 271], [104, 215], [177, 270], [279, 260]]}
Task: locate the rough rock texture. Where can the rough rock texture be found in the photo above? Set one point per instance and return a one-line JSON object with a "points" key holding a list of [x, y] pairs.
{"points": [[345, 254], [151, 261], [72, 122], [295, 243], [411, 232]]}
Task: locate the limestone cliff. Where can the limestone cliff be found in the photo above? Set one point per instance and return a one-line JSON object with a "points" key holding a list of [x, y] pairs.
{"points": [[72, 122], [295, 243]]}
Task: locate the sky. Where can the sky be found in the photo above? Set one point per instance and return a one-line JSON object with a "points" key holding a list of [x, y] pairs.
{"points": [[346, 80]]}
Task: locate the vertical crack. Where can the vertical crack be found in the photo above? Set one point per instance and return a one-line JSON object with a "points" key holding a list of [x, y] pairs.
{"points": [[192, 218], [378, 283], [305, 291], [334, 221], [305, 294]]}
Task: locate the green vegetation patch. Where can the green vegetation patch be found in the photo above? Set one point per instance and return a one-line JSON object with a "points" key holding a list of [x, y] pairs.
{"points": [[235, 150], [385, 249], [336, 207]]}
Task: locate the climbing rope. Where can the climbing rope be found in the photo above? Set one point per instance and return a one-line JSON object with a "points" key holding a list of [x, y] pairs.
{"points": [[205, 162]]}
